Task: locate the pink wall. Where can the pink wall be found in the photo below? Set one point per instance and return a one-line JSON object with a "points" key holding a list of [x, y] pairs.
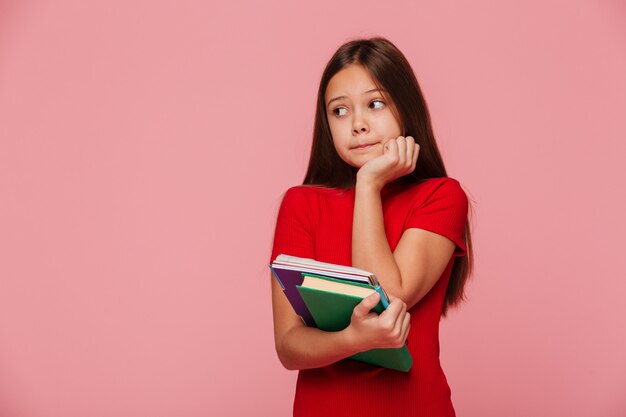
{"points": [[144, 148]]}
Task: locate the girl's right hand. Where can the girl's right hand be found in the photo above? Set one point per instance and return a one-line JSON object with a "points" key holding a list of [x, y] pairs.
{"points": [[368, 330], [399, 158]]}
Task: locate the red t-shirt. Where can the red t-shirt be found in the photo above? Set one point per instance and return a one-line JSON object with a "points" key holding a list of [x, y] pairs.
{"points": [[315, 222]]}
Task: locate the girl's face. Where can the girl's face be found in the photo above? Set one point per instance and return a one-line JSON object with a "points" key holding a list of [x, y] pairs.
{"points": [[360, 119]]}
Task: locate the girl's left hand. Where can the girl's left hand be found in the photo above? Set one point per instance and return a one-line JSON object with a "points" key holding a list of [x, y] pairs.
{"points": [[398, 159]]}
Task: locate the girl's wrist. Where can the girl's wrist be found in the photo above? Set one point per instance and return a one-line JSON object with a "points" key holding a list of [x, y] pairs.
{"points": [[353, 341], [367, 184]]}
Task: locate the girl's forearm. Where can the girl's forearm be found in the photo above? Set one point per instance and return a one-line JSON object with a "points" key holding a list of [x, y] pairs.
{"points": [[370, 248], [308, 347]]}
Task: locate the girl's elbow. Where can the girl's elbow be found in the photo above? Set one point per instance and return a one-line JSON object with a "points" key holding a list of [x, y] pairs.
{"points": [[412, 299], [285, 359], [289, 366], [412, 296], [287, 363]]}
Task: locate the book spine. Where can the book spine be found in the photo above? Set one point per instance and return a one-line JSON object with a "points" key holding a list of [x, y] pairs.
{"points": [[373, 280], [383, 296], [276, 276]]}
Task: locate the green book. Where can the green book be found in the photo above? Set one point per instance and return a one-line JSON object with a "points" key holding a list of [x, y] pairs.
{"points": [[331, 301]]}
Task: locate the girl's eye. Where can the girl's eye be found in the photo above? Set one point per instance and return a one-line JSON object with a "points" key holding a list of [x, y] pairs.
{"points": [[337, 110], [380, 105]]}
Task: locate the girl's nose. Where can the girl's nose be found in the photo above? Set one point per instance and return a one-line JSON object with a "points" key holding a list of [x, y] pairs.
{"points": [[359, 125]]}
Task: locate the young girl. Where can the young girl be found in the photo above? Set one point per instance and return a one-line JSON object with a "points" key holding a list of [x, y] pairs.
{"points": [[376, 196]]}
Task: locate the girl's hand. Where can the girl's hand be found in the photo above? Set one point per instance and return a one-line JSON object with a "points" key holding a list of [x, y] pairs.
{"points": [[398, 159], [368, 330]]}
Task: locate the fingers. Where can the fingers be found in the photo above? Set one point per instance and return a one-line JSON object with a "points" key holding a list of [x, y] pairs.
{"points": [[364, 307], [387, 330], [404, 152], [412, 151], [391, 147], [402, 326], [400, 319], [410, 147], [406, 326], [416, 152], [389, 317], [402, 147], [397, 320]]}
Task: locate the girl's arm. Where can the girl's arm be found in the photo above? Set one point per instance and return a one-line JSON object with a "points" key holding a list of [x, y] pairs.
{"points": [[420, 256], [302, 347], [418, 261]]}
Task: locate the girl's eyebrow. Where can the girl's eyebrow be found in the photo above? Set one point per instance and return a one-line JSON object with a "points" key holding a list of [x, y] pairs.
{"points": [[340, 97]]}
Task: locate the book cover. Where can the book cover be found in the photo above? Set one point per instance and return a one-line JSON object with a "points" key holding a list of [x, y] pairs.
{"points": [[288, 272], [331, 311]]}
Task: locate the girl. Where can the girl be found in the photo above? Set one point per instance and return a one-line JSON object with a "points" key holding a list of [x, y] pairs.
{"points": [[376, 196]]}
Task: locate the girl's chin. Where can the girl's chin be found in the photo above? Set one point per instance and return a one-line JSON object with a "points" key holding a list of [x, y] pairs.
{"points": [[366, 158], [357, 161]]}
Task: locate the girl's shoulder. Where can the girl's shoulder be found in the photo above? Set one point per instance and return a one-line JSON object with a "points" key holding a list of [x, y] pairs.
{"points": [[305, 200], [438, 191], [428, 186], [444, 184]]}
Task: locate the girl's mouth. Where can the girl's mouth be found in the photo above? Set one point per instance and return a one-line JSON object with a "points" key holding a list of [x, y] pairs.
{"points": [[364, 147]]}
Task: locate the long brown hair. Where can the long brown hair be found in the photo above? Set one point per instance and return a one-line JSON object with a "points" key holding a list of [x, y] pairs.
{"points": [[393, 75]]}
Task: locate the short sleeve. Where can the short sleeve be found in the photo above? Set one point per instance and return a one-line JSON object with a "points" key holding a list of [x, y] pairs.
{"points": [[444, 211], [293, 234]]}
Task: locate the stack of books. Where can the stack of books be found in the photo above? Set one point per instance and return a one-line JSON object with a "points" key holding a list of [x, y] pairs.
{"points": [[324, 295]]}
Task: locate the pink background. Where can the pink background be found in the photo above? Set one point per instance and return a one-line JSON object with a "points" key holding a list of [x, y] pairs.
{"points": [[145, 147]]}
